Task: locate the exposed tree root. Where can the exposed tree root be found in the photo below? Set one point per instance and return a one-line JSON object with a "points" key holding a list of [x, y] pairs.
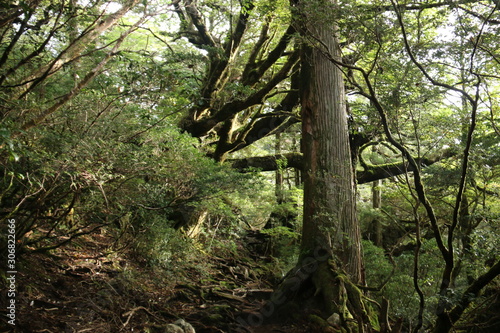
{"points": [[319, 285]]}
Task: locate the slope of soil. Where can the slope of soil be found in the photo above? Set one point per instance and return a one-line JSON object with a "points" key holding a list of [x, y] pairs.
{"points": [[88, 287]]}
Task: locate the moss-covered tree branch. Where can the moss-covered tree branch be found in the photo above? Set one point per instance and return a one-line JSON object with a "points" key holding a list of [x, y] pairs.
{"points": [[370, 173]]}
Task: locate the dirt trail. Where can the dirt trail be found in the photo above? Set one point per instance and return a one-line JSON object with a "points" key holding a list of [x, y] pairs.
{"points": [[86, 287]]}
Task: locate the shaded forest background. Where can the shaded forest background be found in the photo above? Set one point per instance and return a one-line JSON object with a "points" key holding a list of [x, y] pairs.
{"points": [[169, 132]]}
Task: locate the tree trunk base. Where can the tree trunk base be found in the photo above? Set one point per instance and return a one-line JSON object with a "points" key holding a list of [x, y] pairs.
{"points": [[316, 288]]}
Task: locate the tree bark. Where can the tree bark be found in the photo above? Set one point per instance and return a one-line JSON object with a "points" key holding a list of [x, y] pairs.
{"points": [[330, 218], [330, 224]]}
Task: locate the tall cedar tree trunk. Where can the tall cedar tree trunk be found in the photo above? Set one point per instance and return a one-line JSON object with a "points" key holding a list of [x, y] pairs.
{"points": [[329, 190], [330, 223]]}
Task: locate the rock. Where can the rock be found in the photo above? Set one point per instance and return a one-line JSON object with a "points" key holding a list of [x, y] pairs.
{"points": [[334, 320], [171, 328], [187, 327]]}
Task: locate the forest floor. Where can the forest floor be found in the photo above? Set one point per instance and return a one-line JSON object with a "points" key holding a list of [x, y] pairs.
{"points": [[89, 287]]}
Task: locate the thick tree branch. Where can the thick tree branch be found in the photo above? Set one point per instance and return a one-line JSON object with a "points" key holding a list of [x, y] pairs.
{"points": [[276, 120], [196, 18], [254, 71], [268, 163], [234, 42], [383, 171], [371, 172], [257, 50], [220, 56], [209, 114], [202, 127], [264, 127]]}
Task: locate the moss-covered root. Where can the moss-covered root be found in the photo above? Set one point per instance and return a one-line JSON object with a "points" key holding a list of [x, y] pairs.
{"points": [[344, 297]]}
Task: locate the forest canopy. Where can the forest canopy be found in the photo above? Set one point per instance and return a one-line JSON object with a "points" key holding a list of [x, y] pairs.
{"points": [[184, 119]]}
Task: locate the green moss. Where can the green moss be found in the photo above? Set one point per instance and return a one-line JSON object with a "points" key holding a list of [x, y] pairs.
{"points": [[317, 320], [214, 318], [373, 317]]}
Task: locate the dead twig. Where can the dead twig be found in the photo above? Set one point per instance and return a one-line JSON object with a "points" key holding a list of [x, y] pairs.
{"points": [[134, 310]]}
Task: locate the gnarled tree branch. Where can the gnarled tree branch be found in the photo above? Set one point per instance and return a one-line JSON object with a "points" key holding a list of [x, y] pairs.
{"points": [[371, 172]]}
